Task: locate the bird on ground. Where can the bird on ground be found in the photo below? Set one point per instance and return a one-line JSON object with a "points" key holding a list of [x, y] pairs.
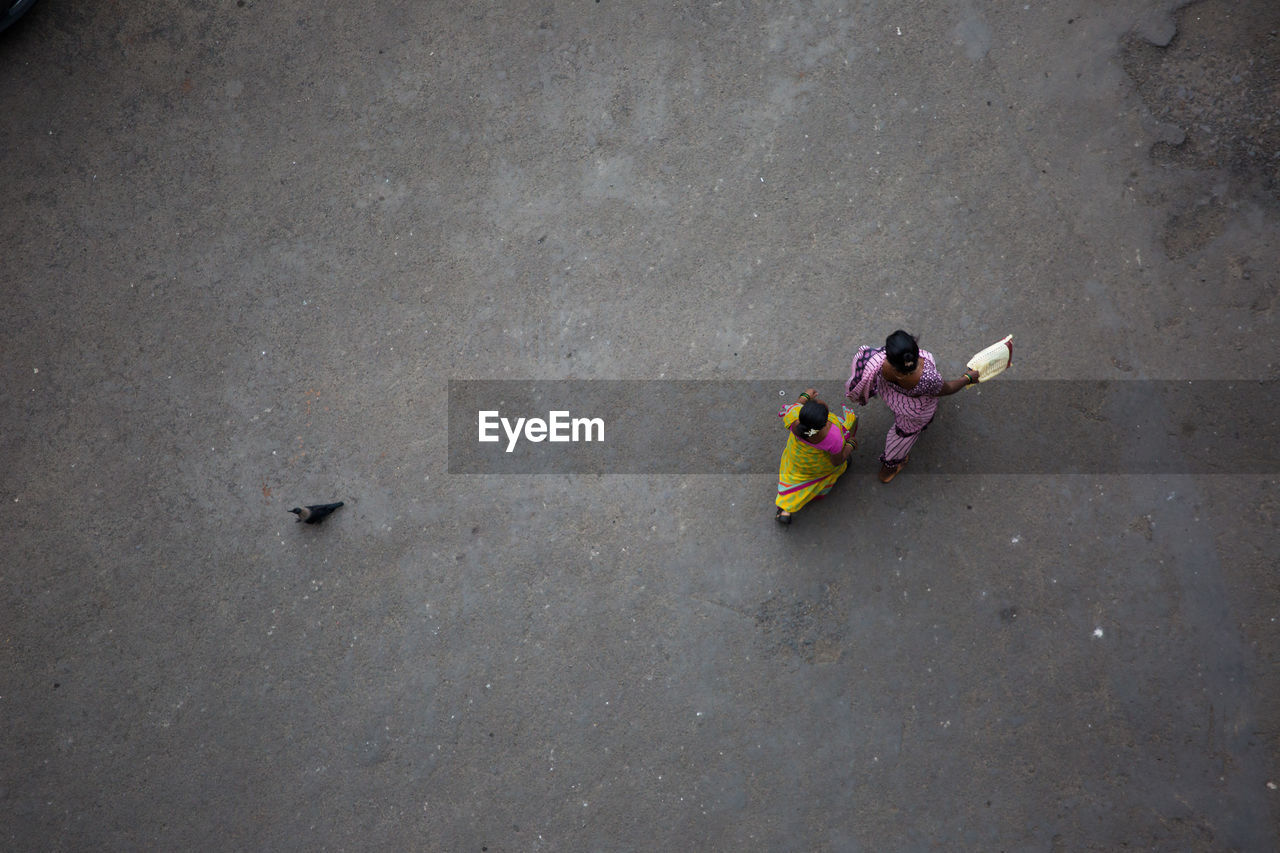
{"points": [[315, 513]]}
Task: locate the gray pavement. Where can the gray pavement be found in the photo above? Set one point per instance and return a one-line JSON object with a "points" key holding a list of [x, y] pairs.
{"points": [[247, 245]]}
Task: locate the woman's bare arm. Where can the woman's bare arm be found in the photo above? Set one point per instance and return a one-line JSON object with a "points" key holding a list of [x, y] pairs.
{"points": [[949, 388]]}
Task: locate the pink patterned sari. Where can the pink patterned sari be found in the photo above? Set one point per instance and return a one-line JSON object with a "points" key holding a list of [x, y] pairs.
{"points": [[912, 409]]}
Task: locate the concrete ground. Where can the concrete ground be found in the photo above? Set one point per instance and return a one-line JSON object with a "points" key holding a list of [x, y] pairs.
{"points": [[245, 246]]}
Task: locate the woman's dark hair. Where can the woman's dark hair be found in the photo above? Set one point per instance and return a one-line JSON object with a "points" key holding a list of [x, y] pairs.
{"points": [[902, 352], [813, 415]]}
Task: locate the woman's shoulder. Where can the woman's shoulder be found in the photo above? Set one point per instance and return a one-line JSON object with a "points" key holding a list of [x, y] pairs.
{"points": [[929, 363]]}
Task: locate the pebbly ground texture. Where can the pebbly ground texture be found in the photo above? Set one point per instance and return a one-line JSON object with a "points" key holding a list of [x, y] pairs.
{"points": [[246, 245]]}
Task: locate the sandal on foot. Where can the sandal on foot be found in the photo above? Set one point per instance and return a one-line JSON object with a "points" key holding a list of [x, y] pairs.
{"points": [[781, 517], [888, 472]]}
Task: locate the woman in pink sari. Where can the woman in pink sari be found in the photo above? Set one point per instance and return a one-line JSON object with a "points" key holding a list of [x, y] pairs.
{"points": [[907, 379]]}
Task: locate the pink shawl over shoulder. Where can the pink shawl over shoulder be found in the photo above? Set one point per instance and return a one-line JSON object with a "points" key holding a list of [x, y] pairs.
{"points": [[865, 369]]}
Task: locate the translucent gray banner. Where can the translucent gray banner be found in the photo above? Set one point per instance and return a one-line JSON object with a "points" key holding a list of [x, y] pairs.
{"points": [[1006, 426]]}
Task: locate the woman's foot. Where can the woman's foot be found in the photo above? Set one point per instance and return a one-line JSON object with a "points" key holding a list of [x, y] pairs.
{"points": [[888, 472], [782, 517]]}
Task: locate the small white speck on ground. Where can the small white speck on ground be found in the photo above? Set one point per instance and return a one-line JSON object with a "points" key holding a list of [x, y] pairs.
{"points": [[1097, 632]]}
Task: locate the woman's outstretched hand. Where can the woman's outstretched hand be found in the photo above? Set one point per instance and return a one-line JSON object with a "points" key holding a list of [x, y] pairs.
{"points": [[970, 377]]}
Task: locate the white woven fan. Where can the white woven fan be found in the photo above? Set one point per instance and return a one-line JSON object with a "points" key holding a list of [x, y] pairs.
{"points": [[993, 360]]}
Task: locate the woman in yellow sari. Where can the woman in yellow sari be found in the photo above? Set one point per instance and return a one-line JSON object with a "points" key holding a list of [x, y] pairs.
{"points": [[819, 444]]}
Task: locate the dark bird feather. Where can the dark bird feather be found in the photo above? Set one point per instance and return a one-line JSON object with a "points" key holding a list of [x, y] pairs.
{"points": [[315, 513]]}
